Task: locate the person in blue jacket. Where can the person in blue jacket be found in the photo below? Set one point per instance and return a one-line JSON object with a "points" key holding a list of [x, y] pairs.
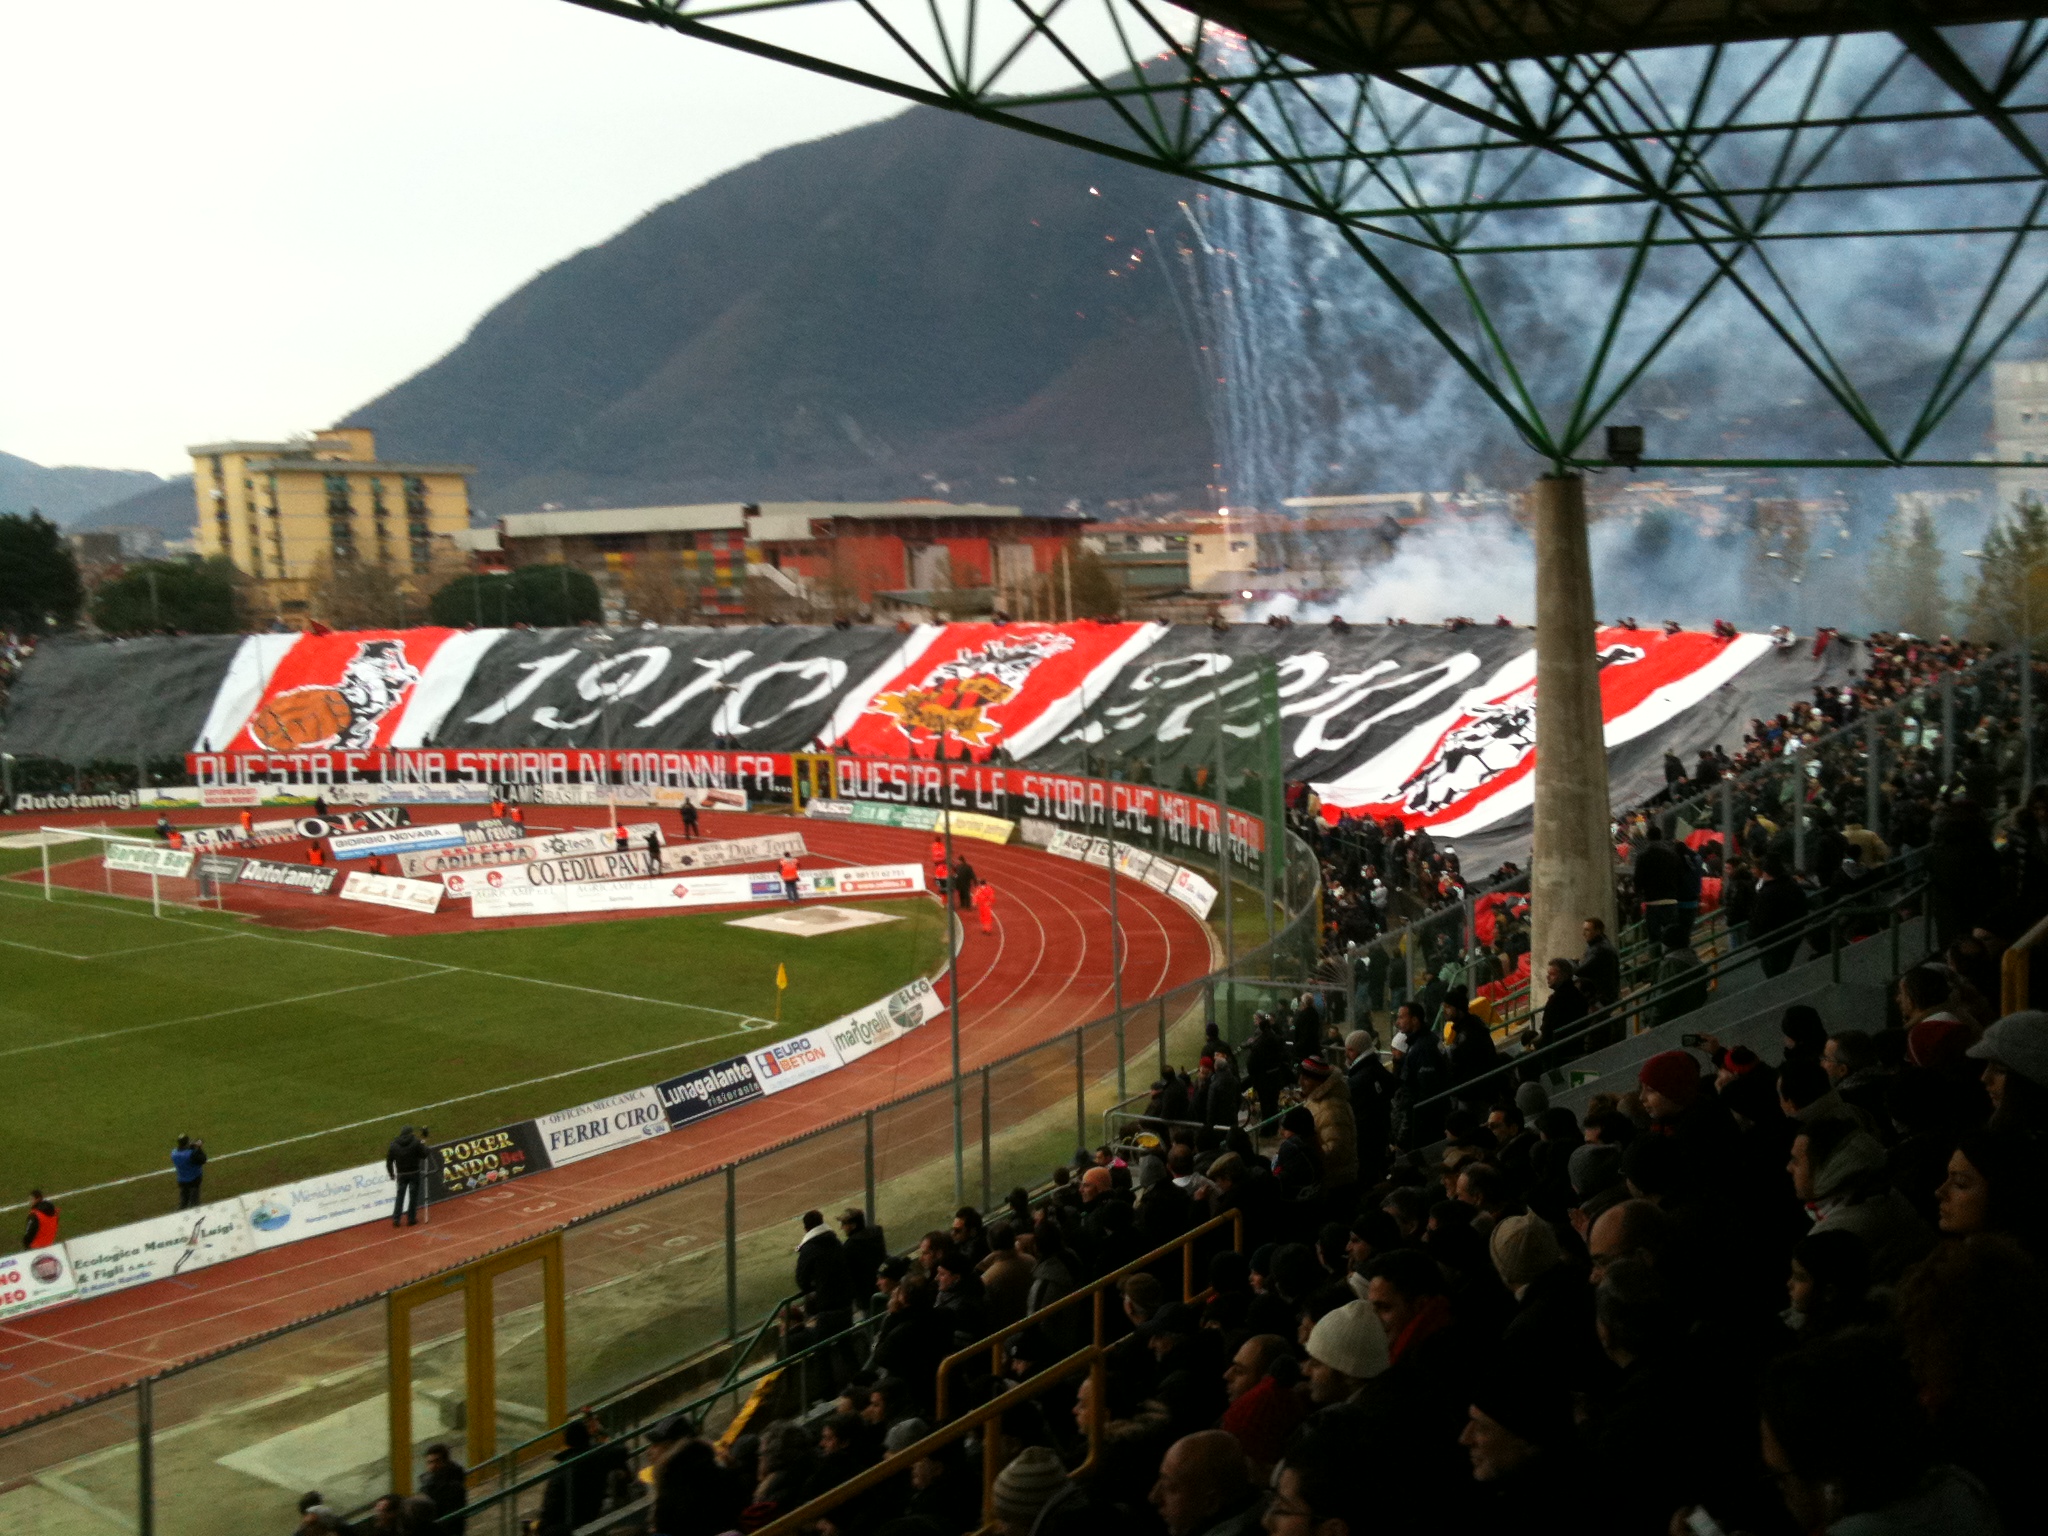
{"points": [[188, 1161]]}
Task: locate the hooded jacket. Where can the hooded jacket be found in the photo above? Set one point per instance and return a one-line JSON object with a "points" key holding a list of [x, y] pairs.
{"points": [[1336, 1129]]}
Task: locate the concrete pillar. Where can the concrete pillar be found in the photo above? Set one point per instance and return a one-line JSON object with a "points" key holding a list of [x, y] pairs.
{"points": [[1571, 869]]}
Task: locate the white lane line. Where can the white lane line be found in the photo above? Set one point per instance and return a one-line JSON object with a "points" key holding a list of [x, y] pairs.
{"points": [[61, 954], [200, 1018], [143, 949]]}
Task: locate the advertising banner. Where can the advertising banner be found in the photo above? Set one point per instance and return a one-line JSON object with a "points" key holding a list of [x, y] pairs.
{"points": [[220, 869], [919, 818], [314, 879], [738, 850], [158, 1248], [879, 1024], [669, 797], [285, 1213], [795, 1060], [410, 794], [1192, 892], [1160, 874], [149, 859], [393, 891], [570, 1135], [707, 1090], [552, 845], [41, 1277], [617, 896], [443, 834], [1131, 863], [869, 880], [231, 794], [484, 1160]]}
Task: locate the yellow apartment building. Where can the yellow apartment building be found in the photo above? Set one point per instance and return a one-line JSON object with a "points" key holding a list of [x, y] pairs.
{"points": [[284, 512]]}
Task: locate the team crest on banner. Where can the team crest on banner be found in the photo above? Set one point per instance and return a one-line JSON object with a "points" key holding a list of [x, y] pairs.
{"points": [[341, 692], [955, 697]]}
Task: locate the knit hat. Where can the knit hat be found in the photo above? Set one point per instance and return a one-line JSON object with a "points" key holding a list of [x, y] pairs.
{"points": [[1350, 1339], [1358, 1040], [1937, 1043], [1526, 1404], [2019, 1043], [1314, 1068], [1523, 1247], [903, 1434], [1675, 1074], [1028, 1484], [1594, 1167], [1097, 1179], [1531, 1100], [1740, 1060]]}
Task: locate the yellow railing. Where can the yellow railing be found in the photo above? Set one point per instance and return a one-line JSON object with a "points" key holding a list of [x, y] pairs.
{"points": [[2014, 970], [1096, 1289]]}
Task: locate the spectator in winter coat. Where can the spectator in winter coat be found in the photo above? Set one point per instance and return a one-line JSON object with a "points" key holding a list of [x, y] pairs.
{"points": [[821, 1277], [1600, 966], [1328, 1097], [1838, 1169], [861, 1251], [188, 1162], [1779, 905], [1005, 1276], [1265, 1064]]}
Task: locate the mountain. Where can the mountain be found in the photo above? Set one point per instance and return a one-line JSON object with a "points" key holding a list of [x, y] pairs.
{"points": [[926, 306], [165, 506], [67, 493]]}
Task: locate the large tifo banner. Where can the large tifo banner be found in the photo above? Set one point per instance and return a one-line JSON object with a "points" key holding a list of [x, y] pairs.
{"points": [[1430, 724]]}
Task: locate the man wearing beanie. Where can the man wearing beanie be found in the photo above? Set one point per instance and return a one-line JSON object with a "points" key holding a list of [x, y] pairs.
{"points": [[1346, 1349], [1597, 1186], [1518, 1434], [1680, 1107], [1031, 1481]]}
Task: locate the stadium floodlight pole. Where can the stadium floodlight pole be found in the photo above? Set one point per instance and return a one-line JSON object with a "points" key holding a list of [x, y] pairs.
{"points": [[952, 975]]}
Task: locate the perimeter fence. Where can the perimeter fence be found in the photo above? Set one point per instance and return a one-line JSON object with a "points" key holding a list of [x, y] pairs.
{"points": [[625, 1310]]}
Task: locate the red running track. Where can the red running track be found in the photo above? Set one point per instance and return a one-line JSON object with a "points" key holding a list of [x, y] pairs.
{"points": [[1043, 971]]}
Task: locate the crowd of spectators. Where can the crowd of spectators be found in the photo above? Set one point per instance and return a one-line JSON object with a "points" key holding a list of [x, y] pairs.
{"points": [[1740, 1296], [15, 651]]}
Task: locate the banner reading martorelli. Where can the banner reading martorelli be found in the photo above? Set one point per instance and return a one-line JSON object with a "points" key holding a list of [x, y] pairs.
{"points": [[486, 1159], [708, 1090], [871, 1028], [570, 1135]]}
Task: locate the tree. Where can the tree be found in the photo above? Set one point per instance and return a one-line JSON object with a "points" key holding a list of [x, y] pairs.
{"points": [[358, 594], [546, 596], [169, 597], [2010, 596], [1903, 586], [39, 584]]}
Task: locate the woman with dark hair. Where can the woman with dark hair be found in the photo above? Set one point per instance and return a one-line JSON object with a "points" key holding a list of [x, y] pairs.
{"points": [[1993, 1185]]}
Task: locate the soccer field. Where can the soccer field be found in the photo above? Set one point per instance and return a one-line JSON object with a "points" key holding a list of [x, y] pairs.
{"points": [[292, 1053]]}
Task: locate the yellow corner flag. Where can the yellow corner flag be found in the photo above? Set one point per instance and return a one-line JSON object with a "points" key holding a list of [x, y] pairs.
{"points": [[781, 986]]}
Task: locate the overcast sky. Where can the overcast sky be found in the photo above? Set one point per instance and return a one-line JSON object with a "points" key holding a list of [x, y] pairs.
{"points": [[242, 218]]}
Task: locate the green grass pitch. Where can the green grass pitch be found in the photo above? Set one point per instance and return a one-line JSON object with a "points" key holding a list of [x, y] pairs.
{"points": [[294, 1053]]}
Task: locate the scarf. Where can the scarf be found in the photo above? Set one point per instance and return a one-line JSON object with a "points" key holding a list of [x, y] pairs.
{"points": [[1432, 1317]]}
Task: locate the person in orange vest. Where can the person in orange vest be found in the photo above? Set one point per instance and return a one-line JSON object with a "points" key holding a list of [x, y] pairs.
{"points": [[248, 825], [498, 808], [41, 1231], [789, 872], [316, 854], [177, 838], [376, 863], [939, 871], [985, 904], [519, 816]]}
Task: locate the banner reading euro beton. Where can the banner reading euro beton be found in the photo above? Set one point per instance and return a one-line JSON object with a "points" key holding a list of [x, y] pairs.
{"points": [[1470, 764], [346, 692], [977, 686]]}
